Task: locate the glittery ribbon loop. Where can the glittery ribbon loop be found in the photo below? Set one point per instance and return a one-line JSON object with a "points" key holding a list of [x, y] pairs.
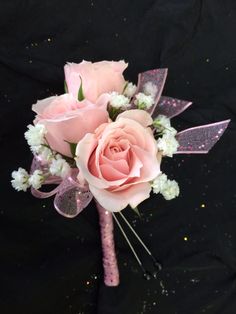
{"points": [[200, 139], [157, 77], [111, 272], [170, 107], [70, 196]]}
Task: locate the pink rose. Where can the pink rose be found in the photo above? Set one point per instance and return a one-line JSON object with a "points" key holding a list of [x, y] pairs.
{"points": [[67, 119], [97, 78], [119, 160]]}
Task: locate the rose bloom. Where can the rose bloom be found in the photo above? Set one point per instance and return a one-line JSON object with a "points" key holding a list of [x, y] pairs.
{"points": [[97, 78], [68, 120], [119, 160]]}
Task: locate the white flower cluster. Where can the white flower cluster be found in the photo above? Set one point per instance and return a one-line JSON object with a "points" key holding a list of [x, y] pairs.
{"points": [[119, 101], [22, 180], [143, 101], [35, 137], [167, 144], [130, 90], [162, 125], [36, 179], [150, 89], [57, 166], [122, 101], [146, 99], [168, 188]]}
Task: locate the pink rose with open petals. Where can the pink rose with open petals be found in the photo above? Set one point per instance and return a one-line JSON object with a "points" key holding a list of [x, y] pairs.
{"points": [[97, 78], [68, 120], [119, 160]]}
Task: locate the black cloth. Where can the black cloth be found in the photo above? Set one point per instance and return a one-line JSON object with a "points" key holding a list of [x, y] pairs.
{"points": [[49, 264]]}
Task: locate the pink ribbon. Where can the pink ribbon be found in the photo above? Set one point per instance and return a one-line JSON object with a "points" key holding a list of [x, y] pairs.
{"points": [[111, 271], [200, 139], [157, 77], [170, 107], [70, 196]]}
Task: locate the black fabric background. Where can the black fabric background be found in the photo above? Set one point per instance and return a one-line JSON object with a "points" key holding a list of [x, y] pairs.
{"points": [[49, 264]]}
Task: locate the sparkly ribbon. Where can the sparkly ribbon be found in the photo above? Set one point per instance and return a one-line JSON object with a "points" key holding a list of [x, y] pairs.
{"points": [[200, 139], [157, 77], [111, 271], [170, 107], [70, 196]]}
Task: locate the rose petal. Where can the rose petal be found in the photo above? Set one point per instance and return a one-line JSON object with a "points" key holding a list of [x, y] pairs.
{"points": [[120, 165], [72, 128], [111, 174], [83, 153], [141, 116], [116, 201], [97, 78]]}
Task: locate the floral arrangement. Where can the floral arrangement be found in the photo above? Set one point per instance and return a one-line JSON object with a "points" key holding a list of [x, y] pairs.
{"points": [[105, 139]]}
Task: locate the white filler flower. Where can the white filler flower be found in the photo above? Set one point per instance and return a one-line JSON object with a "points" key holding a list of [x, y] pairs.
{"points": [[170, 190], [170, 131], [119, 101], [45, 153], [36, 179], [143, 101], [130, 90], [167, 144], [59, 167], [35, 134], [161, 121], [20, 180], [162, 124], [150, 89], [159, 183]]}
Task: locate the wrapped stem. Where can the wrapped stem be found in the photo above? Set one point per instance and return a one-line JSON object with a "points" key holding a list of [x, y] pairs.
{"points": [[111, 271]]}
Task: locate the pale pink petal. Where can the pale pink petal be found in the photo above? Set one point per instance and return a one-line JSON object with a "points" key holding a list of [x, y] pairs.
{"points": [[116, 201], [149, 171], [110, 77], [120, 165], [135, 165], [103, 100], [151, 166], [141, 116], [111, 174], [72, 129], [40, 106], [83, 152], [98, 78], [73, 74]]}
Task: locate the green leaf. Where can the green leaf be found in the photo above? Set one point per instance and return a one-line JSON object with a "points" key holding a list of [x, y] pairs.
{"points": [[113, 112], [72, 147], [126, 84], [142, 106], [135, 209], [65, 87], [80, 92]]}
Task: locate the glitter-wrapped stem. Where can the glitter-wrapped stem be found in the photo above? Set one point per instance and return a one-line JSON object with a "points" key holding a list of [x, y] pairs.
{"points": [[111, 271]]}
